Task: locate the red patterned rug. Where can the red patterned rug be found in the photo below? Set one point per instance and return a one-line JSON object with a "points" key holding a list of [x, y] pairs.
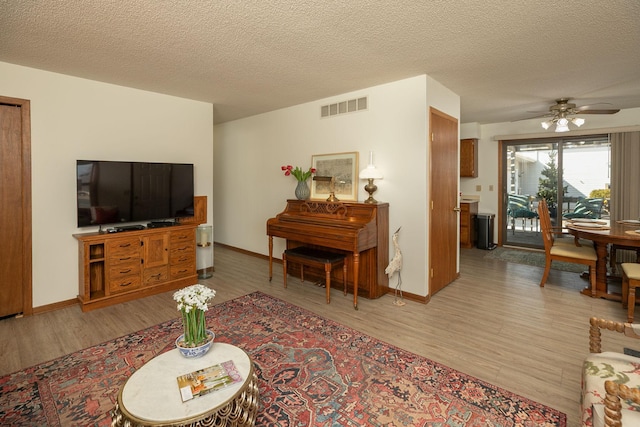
{"points": [[312, 372]]}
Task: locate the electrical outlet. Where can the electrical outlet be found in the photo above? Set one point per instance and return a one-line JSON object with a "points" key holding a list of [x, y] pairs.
{"points": [[478, 187], [491, 188]]}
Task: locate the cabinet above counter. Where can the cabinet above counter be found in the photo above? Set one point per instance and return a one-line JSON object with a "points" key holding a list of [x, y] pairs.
{"points": [[469, 158]]}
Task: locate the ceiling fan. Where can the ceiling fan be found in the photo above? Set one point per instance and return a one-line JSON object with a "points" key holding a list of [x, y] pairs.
{"points": [[564, 112]]}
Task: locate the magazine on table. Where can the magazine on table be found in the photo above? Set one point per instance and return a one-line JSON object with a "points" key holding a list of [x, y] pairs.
{"points": [[207, 380]]}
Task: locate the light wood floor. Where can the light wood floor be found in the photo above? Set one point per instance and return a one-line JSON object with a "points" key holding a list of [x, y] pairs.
{"points": [[494, 323]]}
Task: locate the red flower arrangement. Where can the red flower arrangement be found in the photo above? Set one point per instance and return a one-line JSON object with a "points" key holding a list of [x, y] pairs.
{"points": [[298, 173]]}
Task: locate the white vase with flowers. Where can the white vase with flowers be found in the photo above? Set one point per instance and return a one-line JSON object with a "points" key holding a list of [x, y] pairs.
{"points": [[193, 303]]}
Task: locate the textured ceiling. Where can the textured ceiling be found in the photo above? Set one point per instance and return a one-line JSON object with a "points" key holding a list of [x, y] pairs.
{"points": [[504, 58]]}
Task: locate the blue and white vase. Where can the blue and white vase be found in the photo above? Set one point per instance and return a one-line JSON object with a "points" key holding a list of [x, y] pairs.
{"points": [[193, 352]]}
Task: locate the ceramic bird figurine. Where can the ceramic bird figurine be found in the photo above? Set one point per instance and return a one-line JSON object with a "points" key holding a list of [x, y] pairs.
{"points": [[396, 265]]}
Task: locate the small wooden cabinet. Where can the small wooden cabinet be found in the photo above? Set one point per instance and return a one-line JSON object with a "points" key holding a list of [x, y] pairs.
{"points": [[119, 267], [468, 212], [469, 158]]}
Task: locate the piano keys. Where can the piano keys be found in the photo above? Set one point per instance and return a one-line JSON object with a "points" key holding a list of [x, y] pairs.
{"points": [[359, 230]]}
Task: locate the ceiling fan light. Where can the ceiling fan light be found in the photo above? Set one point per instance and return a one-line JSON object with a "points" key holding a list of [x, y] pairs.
{"points": [[562, 126], [547, 124], [577, 121]]}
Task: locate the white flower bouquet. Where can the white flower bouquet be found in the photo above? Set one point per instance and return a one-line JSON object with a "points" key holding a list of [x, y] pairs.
{"points": [[193, 302]]}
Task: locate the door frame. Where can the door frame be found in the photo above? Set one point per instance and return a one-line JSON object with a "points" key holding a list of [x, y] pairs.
{"points": [[562, 143], [25, 118]]}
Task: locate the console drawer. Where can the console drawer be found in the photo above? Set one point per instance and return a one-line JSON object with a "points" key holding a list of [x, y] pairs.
{"points": [[183, 236], [181, 255], [124, 283], [182, 270], [155, 275], [123, 251]]}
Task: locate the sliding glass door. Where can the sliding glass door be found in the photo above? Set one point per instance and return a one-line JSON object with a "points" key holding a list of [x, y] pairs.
{"points": [[571, 174]]}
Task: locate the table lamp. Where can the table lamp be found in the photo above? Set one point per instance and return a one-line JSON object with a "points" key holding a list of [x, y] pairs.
{"points": [[370, 173]]}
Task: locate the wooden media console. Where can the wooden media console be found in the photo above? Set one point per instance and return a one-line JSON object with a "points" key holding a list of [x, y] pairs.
{"points": [[119, 267]]}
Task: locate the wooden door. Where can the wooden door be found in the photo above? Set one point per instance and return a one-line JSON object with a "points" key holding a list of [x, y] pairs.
{"points": [[156, 250], [443, 209], [15, 208]]}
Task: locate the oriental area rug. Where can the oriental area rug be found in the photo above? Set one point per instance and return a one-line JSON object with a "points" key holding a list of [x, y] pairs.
{"points": [[312, 372]]}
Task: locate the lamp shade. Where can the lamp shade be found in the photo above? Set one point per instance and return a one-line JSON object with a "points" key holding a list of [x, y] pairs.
{"points": [[577, 121], [562, 125], [370, 172]]}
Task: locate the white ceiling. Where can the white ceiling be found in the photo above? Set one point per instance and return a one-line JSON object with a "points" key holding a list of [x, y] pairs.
{"points": [[503, 57]]}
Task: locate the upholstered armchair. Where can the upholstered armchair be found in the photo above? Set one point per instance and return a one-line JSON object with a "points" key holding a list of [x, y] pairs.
{"points": [[586, 208], [519, 206], [610, 380]]}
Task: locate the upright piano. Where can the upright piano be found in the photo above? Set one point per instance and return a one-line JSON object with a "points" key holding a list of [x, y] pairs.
{"points": [[359, 230]]}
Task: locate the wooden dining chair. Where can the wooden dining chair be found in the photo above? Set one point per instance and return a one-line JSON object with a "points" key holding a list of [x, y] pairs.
{"points": [[630, 281], [575, 253], [613, 255]]}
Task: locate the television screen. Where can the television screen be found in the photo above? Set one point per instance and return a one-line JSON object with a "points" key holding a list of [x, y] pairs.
{"points": [[112, 192]]}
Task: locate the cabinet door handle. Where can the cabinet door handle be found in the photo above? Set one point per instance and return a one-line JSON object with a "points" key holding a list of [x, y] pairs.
{"points": [[125, 284], [125, 271], [125, 245], [124, 259]]}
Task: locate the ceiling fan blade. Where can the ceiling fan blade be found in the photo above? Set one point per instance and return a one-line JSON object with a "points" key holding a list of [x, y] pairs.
{"points": [[591, 109], [539, 114], [583, 110], [594, 104]]}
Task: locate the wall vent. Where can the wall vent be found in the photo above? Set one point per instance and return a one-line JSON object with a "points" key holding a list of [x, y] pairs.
{"points": [[343, 107]]}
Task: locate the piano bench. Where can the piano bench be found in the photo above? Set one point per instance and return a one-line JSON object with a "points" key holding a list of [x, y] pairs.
{"points": [[316, 258]]}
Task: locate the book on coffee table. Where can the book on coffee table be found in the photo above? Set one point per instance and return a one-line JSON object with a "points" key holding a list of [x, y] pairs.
{"points": [[207, 380]]}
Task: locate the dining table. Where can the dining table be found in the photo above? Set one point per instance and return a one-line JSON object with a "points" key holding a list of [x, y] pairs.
{"points": [[603, 233]]}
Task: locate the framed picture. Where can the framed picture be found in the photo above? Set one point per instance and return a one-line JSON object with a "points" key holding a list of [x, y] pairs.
{"points": [[338, 170]]}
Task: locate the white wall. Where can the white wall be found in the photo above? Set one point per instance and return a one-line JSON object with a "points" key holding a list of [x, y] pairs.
{"points": [[74, 118], [488, 156], [251, 188]]}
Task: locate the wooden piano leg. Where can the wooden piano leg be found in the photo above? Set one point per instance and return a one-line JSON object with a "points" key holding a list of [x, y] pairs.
{"points": [[284, 268], [344, 277], [271, 258], [356, 270], [327, 280]]}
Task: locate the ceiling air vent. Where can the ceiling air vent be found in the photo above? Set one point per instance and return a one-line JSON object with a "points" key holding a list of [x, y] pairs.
{"points": [[343, 107]]}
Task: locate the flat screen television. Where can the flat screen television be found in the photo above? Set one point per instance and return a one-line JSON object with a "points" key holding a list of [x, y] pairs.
{"points": [[113, 192]]}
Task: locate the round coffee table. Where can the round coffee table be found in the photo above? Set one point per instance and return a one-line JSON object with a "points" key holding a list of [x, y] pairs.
{"points": [[150, 397]]}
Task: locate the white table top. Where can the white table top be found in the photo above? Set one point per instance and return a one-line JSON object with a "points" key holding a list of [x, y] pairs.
{"points": [[152, 393]]}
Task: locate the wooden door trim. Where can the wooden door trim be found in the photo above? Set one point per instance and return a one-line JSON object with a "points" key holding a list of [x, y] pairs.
{"points": [[25, 113], [501, 194]]}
